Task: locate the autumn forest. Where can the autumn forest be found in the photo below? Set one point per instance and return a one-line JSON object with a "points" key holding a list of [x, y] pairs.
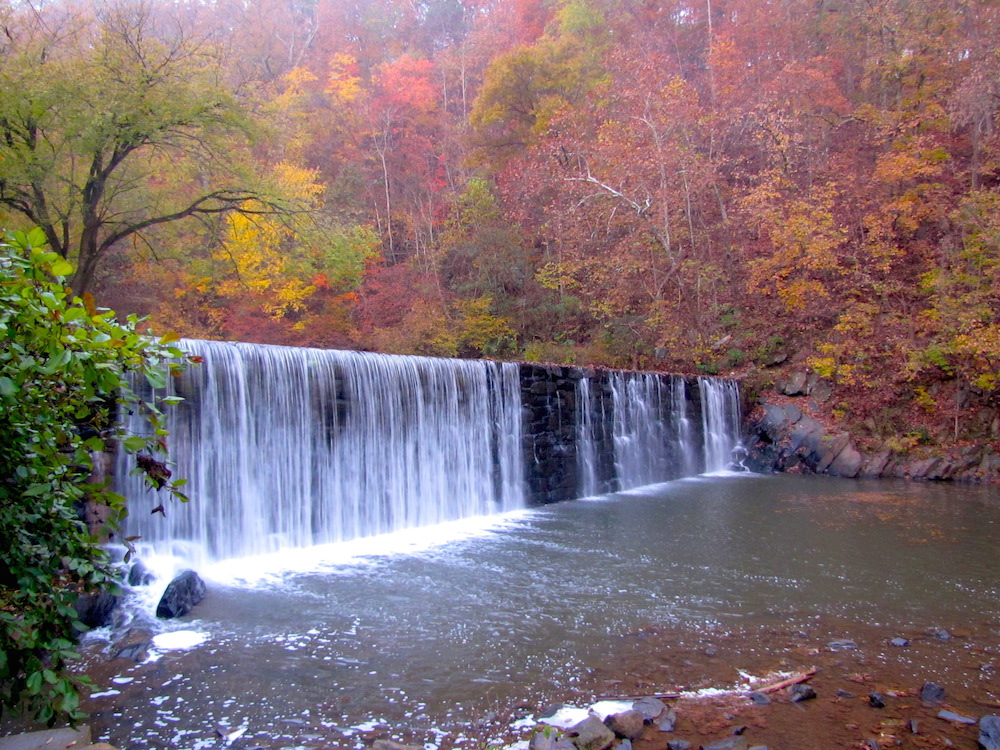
{"points": [[714, 186]]}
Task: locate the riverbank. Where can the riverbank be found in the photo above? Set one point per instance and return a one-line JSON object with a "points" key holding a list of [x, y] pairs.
{"points": [[705, 676]]}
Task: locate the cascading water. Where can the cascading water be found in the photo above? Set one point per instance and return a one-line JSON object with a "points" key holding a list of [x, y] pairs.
{"points": [[720, 415], [642, 435], [288, 448], [586, 450]]}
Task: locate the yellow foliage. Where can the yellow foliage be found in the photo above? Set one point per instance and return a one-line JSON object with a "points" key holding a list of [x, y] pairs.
{"points": [[343, 84]]}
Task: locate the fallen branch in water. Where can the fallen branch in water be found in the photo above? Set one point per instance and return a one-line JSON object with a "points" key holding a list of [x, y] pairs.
{"points": [[793, 680], [661, 696]]}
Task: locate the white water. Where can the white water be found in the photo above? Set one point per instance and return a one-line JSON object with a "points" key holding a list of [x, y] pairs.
{"points": [[289, 448], [294, 449], [720, 410]]}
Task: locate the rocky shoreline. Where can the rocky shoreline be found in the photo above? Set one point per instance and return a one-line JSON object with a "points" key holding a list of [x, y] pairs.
{"points": [[786, 432]]}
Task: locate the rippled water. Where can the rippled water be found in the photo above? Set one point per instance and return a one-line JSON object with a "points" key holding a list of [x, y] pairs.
{"points": [[519, 609]]}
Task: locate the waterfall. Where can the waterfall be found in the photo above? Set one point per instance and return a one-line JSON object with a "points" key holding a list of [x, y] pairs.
{"points": [[586, 440], [642, 435], [720, 421], [287, 448]]}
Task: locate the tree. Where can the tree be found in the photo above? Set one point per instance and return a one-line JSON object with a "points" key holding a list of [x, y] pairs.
{"points": [[64, 366], [114, 124]]}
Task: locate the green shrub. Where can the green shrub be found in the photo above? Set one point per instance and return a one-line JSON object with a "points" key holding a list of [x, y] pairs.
{"points": [[63, 366]]}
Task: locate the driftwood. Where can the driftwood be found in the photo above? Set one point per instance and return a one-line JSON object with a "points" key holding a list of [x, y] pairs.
{"points": [[661, 696], [795, 679]]}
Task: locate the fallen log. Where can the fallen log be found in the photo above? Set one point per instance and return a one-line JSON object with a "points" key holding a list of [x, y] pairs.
{"points": [[793, 680]]}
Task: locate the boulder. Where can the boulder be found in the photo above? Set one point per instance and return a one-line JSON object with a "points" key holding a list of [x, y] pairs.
{"points": [[847, 463], [48, 739], [549, 739], [627, 724], [989, 733], [667, 720], [95, 610], [139, 575], [876, 700], [591, 734], [182, 594], [760, 699], [795, 385], [650, 708], [832, 450]]}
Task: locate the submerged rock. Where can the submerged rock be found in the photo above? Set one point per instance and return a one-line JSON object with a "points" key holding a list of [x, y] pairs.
{"points": [[801, 692], [760, 699], [181, 596], [678, 745], [730, 743], [931, 693], [899, 642], [876, 700], [989, 733], [957, 718]]}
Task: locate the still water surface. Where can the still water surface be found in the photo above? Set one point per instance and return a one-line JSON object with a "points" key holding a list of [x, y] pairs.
{"points": [[438, 636]]}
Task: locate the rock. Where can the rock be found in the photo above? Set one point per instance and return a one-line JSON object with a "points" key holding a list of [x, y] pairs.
{"points": [[551, 710], [760, 699], [758, 747], [678, 745], [822, 391], [931, 693], [801, 692], [95, 610], [393, 745], [628, 724], [989, 733], [876, 700], [841, 693], [876, 465], [793, 413], [940, 633], [957, 718], [668, 720], [139, 575], [841, 644], [795, 385], [833, 448], [899, 642], [549, 739], [49, 739], [730, 743], [650, 708], [591, 734], [914, 726], [625, 745], [847, 463], [181, 596]]}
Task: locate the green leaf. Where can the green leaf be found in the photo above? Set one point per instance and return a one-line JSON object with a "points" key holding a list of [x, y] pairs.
{"points": [[62, 267], [36, 237], [134, 443], [7, 386]]}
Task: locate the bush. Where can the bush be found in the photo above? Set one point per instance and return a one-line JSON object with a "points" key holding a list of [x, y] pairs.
{"points": [[63, 366]]}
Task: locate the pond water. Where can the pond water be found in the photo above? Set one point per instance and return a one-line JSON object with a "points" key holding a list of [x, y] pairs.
{"points": [[434, 631]]}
